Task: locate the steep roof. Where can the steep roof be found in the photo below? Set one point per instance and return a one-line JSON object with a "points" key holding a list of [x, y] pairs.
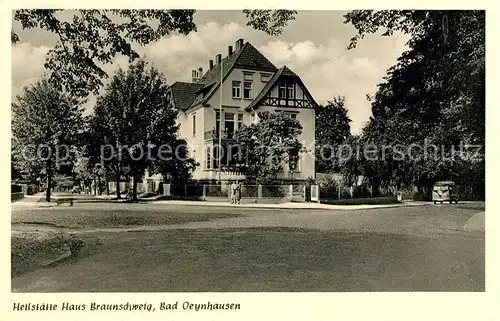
{"points": [[282, 72], [183, 94], [247, 57]]}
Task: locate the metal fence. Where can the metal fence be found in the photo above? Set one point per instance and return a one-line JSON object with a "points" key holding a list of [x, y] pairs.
{"points": [[247, 191]]}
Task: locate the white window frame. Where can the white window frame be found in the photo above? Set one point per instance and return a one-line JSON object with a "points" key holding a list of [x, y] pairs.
{"points": [[298, 169], [237, 88], [251, 89], [292, 87], [240, 124], [282, 86], [208, 157]]}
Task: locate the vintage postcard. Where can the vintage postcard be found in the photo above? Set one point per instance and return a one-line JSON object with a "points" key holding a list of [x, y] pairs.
{"points": [[233, 164]]}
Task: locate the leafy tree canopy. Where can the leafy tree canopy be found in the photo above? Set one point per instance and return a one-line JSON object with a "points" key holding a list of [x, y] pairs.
{"points": [[91, 38]]}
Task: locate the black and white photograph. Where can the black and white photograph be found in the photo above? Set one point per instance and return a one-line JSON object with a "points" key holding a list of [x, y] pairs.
{"points": [[252, 150]]}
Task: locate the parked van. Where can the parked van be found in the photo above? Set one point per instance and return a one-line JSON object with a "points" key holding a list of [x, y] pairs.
{"points": [[445, 191]]}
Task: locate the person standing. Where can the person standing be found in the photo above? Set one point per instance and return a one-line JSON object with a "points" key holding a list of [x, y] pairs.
{"points": [[237, 195], [232, 192]]}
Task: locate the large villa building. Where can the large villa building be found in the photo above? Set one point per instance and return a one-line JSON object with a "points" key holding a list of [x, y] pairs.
{"points": [[232, 92]]}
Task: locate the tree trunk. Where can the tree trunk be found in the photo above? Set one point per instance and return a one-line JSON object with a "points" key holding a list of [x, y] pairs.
{"points": [[134, 187], [49, 181], [99, 184], [107, 182], [95, 185], [118, 196]]}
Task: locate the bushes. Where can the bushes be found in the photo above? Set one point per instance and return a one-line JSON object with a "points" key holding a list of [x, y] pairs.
{"points": [[362, 201], [274, 190]]}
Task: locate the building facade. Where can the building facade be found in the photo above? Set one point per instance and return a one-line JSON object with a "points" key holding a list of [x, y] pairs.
{"points": [[232, 92]]}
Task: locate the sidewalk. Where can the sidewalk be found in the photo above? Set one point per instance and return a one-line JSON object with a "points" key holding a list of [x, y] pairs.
{"points": [[290, 205]]}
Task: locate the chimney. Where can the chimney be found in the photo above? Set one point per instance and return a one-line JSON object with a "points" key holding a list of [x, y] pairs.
{"points": [[200, 72], [229, 50], [218, 59], [210, 64], [238, 44]]}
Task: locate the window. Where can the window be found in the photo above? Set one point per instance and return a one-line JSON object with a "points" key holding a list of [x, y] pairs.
{"points": [[229, 125], [240, 120], [247, 89], [208, 158], [290, 114], [281, 91], [286, 91], [236, 89], [290, 91], [217, 123], [216, 158], [194, 125], [294, 163]]}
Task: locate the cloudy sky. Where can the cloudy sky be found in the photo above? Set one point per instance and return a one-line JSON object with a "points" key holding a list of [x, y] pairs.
{"points": [[314, 46]]}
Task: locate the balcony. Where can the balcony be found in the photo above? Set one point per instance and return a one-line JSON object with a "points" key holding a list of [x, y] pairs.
{"points": [[214, 135]]}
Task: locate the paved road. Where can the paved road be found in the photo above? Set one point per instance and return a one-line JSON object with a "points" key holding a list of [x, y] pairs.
{"points": [[391, 249]]}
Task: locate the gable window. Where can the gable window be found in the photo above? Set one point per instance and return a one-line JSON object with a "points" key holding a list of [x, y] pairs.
{"points": [[286, 91], [247, 89], [236, 89], [194, 125], [290, 91], [281, 91]]}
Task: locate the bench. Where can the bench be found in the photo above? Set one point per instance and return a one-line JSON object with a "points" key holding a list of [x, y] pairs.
{"points": [[61, 200]]}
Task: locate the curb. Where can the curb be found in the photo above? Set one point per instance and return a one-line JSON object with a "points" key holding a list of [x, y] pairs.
{"points": [[309, 206], [476, 222]]}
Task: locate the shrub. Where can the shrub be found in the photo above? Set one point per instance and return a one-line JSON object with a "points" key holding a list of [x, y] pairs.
{"points": [[274, 191]]}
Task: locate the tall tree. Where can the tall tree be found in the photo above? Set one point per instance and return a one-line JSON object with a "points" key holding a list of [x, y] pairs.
{"points": [[87, 39], [132, 121], [332, 130], [267, 144], [434, 95], [45, 124]]}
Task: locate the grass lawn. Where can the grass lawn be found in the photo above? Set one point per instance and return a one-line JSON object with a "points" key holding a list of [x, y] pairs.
{"points": [[108, 218], [267, 259]]}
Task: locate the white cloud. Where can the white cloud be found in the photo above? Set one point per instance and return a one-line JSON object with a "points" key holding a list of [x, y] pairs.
{"points": [[27, 65], [327, 69], [330, 70], [177, 55]]}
